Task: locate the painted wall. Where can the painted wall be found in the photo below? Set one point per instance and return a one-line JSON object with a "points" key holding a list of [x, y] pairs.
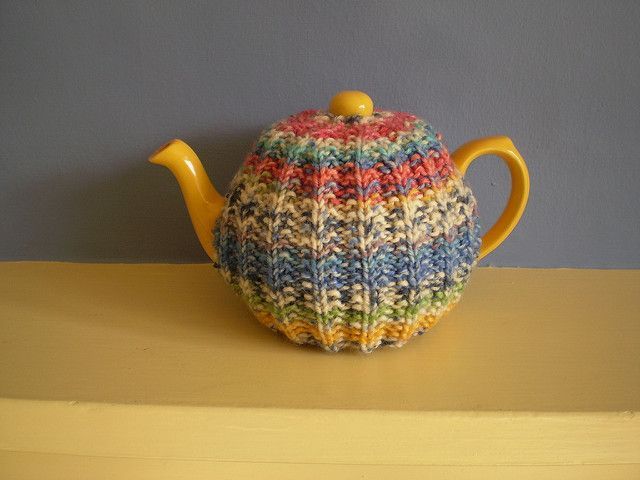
{"points": [[89, 89]]}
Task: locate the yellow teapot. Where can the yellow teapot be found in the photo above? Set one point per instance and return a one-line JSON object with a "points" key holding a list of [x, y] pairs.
{"points": [[350, 227]]}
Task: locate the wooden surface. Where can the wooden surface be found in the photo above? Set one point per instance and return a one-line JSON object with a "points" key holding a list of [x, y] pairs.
{"points": [[130, 366]]}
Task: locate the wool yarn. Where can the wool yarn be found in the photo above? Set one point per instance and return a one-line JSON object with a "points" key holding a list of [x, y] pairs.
{"points": [[348, 232]]}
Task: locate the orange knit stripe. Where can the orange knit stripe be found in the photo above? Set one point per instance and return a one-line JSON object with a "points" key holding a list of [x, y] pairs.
{"points": [[299, 331]]}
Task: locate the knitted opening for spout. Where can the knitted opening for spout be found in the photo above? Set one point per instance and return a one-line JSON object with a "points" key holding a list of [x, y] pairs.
{"points": [[348, 231]]}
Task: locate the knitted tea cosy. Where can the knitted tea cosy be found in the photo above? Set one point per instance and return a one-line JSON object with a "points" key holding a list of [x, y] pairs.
{"points": [[348, 231]]}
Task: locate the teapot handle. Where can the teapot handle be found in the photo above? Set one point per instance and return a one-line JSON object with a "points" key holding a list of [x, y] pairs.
{"points": [[502, 147]]}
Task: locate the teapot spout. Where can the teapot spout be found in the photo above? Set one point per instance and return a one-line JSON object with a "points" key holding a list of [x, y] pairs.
{"points": [[204, 203]]}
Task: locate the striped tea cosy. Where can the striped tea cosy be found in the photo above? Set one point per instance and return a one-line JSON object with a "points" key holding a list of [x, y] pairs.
{"points": [[348, 231]]}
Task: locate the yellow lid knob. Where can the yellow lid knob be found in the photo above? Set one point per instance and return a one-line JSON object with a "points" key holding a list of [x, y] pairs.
{"points": [[351, 102]]}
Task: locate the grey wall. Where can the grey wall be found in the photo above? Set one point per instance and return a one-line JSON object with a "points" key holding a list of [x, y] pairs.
{"points": [[89, 89]]}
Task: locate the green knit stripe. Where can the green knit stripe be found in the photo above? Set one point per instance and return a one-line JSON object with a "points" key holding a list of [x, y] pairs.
{"points": [[351, 316]]}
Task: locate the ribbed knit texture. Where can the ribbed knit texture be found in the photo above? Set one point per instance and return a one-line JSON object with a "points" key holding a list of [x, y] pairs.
{"points": [[348, 231]]}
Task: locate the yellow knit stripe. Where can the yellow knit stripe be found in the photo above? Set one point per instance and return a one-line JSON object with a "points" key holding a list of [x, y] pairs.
{"points": [[367, 338]]}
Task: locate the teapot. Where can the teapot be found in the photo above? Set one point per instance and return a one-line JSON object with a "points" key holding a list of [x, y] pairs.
{"points": [[350, 227]]}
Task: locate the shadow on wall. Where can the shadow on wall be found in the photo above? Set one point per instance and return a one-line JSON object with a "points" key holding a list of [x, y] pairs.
{"points": [[137, 214]]}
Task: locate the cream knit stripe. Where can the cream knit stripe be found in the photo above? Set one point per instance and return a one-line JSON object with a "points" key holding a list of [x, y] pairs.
{"points": [[431, 221], [263, 193]]}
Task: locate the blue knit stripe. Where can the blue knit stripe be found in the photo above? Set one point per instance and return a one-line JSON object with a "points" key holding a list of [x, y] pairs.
{"points": [[342, 269]]}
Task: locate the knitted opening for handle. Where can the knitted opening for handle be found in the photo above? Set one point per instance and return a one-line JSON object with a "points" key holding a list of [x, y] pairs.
{"points": [[348, 231]]}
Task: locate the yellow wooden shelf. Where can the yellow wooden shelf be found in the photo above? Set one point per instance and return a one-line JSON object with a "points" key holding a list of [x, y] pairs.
{"points": [[159, 371]]}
